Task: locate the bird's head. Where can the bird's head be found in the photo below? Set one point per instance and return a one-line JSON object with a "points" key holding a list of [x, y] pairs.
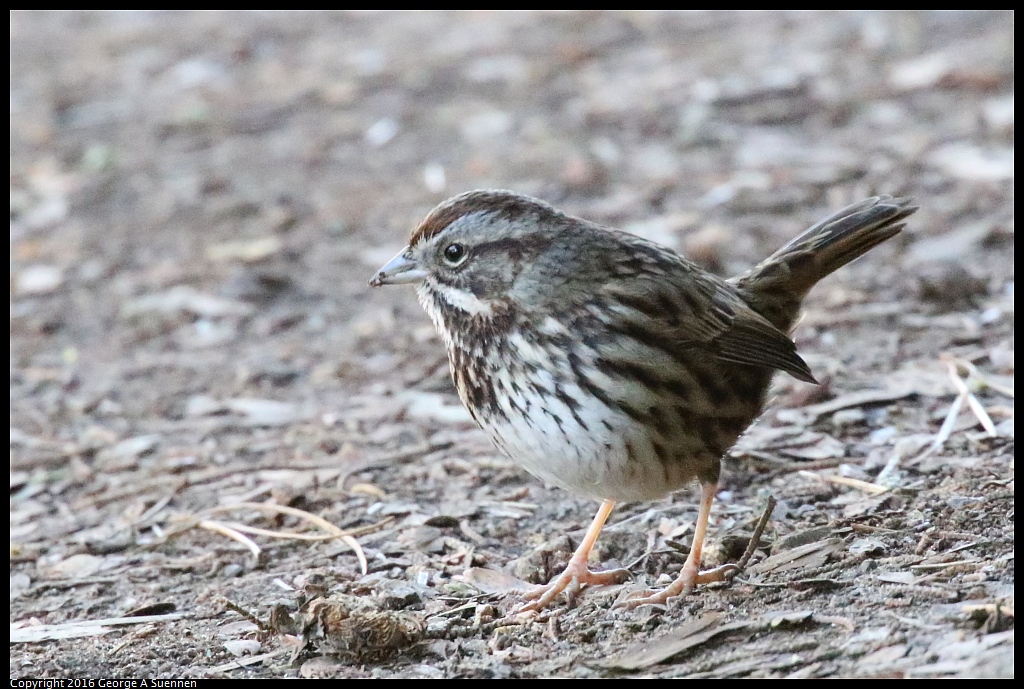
{"points": [[478, 250]]}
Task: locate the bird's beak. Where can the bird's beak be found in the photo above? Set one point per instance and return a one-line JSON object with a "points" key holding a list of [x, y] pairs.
{"points": [[400, 270]]}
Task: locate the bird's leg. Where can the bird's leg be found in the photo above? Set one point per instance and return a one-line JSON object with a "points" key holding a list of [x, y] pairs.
{"points": [[691, 574], [577, 574]]}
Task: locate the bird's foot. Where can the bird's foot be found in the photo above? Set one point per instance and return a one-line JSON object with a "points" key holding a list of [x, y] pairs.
{"points": [[571, 581], [687, 580]]}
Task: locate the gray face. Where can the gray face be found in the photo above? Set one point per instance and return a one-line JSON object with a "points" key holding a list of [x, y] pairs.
{"points": [[482, 255]]}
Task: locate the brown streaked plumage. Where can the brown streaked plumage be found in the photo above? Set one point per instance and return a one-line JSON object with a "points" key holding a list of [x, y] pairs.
{"points": [[609, 365], [497, 204]]}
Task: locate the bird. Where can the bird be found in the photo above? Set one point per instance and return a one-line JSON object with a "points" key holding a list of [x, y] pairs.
{"points": [[608, 365]]}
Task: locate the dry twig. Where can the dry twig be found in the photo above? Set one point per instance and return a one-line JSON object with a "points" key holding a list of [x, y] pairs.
{"points": [[233, 532], [755, 538]]}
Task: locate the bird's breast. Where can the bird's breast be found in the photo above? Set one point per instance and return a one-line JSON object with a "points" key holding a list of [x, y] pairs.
{"points": [[579, 418]]}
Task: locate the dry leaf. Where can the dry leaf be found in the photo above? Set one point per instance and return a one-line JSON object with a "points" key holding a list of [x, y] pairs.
{"points": [[492, 581], [657, 650], [76, 567], [804, 556], [80, 628]]}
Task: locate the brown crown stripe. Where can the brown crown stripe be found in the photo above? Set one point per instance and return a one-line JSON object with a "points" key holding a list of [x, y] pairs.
{"points": [[500, 203]]}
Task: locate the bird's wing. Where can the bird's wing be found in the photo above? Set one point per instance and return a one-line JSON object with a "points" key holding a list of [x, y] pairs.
{"points": [[696, 310]]}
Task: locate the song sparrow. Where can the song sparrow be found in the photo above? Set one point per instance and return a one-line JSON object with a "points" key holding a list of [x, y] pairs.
{"points": [[606, 364]]}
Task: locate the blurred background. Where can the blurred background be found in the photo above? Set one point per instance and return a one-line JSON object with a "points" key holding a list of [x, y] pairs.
{"points": [[198, 200]]}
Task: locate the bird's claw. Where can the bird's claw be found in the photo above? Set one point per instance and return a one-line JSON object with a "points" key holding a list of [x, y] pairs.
{"points": [[687, 580], [571, 581]]}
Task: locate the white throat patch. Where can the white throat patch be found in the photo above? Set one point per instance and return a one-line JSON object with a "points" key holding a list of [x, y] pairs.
{"points": [[463, 300]]}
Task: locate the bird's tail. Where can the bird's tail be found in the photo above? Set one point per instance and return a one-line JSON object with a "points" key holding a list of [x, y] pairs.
{"points": [[776, 286]]}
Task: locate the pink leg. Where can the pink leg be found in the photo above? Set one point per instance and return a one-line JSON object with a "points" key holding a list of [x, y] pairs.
{"points": [[691, 574], [577, 574]]}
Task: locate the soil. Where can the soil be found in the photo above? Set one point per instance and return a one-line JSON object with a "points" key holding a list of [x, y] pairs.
{"points": [[199, 199]]}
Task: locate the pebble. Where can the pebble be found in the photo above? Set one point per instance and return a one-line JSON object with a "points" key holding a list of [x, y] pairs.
{"points": [[231, 570], [38, 279]]}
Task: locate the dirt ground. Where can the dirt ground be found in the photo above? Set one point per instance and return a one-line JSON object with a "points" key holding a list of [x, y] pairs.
{"points": [[198, 201]]}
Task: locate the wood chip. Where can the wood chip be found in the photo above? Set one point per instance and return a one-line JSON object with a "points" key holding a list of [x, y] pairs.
{"points": [[861, 398], [865, 486], [1005, 610], [804, 556], [239, 663], [896, 577], [81, 628], [492, 581], [650, 652]]}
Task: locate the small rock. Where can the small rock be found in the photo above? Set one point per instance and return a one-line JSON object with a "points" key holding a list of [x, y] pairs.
{"points": [[401, 597], [483, 126], [801, 538], [960, 501], [276, 373], [206, 334], [880, 436], [848, 417], [788, 620], [393, 508], [321, 667], [998, 113], [231, 570], [884, 656], [921, 72], [110, 539], [434, 177], [433, 406], [867, 566], [19, 584], [428, 539], [125, 454], [867, 546], [896, 577], [509, 68], [261, 412], [423, 670], [243, 647], [76, 567], [381, 132], [244, 250], [866, 638], [238, 628], [38, 279], [198, 71], [204, 405], [990, 315]]}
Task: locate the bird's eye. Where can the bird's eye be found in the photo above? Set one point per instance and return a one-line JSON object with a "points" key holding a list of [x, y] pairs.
{"points": [[455, 254]]}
